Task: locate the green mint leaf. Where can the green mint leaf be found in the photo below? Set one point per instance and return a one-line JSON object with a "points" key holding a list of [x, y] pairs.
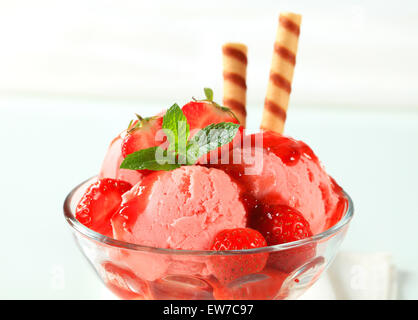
{"points": [[180, 151], [155, 166], [210, 138], [154, 158], [176, 128], [208, 94]]}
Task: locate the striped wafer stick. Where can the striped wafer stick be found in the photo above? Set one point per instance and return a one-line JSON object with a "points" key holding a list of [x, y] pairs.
{"points": [[234, 74], [281, 72]]}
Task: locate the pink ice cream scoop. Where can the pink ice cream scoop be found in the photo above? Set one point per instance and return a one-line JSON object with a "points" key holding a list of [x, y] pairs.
{"points": [[286, 171], [180, 209]]}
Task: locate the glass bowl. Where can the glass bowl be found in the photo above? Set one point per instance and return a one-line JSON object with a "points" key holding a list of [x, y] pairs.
{"points": [[133, 271]]}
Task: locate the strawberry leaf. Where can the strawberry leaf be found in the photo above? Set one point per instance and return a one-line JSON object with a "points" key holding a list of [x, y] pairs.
{"points": [[208, 94]]}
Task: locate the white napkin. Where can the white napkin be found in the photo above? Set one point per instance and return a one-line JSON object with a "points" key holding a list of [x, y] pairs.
{"points": [[357, 276]]}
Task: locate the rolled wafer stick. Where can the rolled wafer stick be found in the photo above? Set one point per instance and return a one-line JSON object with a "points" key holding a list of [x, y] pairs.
{"points": [[234, 73], [281, 72]]}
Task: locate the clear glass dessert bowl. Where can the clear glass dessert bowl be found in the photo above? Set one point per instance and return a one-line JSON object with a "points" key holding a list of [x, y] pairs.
{"points": [[133, 271]]}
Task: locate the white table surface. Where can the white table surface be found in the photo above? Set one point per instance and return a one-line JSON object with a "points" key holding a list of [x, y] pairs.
{"points": [[49, 146]]}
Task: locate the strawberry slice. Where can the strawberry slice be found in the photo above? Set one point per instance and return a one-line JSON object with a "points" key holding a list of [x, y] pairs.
{"points": [[123, 282], [142, 134], [180, 287], [282, 224], [99, 203], [263, 285], [229, 268], [134, 203]]}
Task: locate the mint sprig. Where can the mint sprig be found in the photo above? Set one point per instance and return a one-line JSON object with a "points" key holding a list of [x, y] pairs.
{"points": [[210, 138], [154, 158], [181, 150], [176, 128]]}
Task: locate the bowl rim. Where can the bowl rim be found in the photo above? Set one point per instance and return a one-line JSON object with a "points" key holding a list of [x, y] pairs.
{"points": [[95, 236]]}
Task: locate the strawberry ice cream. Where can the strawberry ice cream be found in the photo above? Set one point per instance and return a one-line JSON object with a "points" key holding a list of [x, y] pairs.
{"points": [[180, 209], [185, 208], [226, 195], [286, 171]]}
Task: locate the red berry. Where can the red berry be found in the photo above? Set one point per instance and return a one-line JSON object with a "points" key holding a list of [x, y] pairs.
{"points": [[142, 134], [282, 224], [200, 114], [99, 203], [231, 267]]}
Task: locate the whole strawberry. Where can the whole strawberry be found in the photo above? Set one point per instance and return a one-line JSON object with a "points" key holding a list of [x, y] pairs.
{"points": [[282, 224], [231, 267], [143, 133], [202, 113], [99, 203]]}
